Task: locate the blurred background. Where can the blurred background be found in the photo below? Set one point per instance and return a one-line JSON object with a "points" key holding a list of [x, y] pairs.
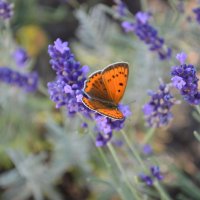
{"points": [[42, 154]]}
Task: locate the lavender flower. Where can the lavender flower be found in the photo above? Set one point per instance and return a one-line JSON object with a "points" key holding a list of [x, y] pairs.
{"points": [[105, 126], [147, 149], [125, 109], [66, 90], [155, 171], [103, 139], [197, 14], [158, 110], [84, 125], [28, 82], [147, 179], [6, 10], [185, 80], [120, 7], [148, 34], [20, 56]]}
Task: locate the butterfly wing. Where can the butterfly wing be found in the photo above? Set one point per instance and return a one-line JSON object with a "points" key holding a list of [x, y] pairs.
{"points": [[102, 108], [115, 78], [95, 87]]}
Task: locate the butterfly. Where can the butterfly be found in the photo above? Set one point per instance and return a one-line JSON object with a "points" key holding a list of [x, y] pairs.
{"points": [[104, 89]]}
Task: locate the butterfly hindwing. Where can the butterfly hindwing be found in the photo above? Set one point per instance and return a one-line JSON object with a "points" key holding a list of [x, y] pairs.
{"points": [[115, 79], [95, 87], [102, 108], [111, 112]]}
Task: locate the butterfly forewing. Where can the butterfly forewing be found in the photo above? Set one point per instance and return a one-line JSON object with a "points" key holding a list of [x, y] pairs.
{"points": [[115, 79], [95, 87], [102, 108]]}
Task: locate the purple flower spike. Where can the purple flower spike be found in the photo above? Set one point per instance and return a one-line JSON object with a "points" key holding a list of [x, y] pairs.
{"points": [[158, 110], [120, 7], [125, 109], [147, 149], [143, 17], [148, 109], [147, 179], [28, 82], [21, 57], [197, 13], [155, 171], [128, 26], [148, 34], [103, 139], [105, 126], [84, 125], [66, 90], [6, 10], [61, 46], [184, 78], [181, 57]]}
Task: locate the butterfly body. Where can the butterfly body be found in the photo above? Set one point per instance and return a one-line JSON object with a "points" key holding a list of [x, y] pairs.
{"points": [[104, 90]]}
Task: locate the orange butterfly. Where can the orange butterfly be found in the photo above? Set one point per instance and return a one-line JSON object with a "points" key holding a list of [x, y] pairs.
{"points": [[105, 89]]}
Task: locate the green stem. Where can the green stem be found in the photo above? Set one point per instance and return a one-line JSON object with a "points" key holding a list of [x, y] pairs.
{"points": [[149, 135], [162, 192], [108, 166], [198, 109], [113, 153], [133, 150], [43, 90]]}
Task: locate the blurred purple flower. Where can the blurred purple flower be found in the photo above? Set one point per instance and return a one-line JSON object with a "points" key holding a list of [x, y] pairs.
{"points": [[148, 34], [147, 149], [6, 10], [103, 139], [20, 56], [181, 57], [143, 17], [120, 7], [155, 171], [158, 110], [147, 179], [105, 126], [128, 26], [84, 125], [184, 78], [28, 82], [197, 13], [125, 109]]}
